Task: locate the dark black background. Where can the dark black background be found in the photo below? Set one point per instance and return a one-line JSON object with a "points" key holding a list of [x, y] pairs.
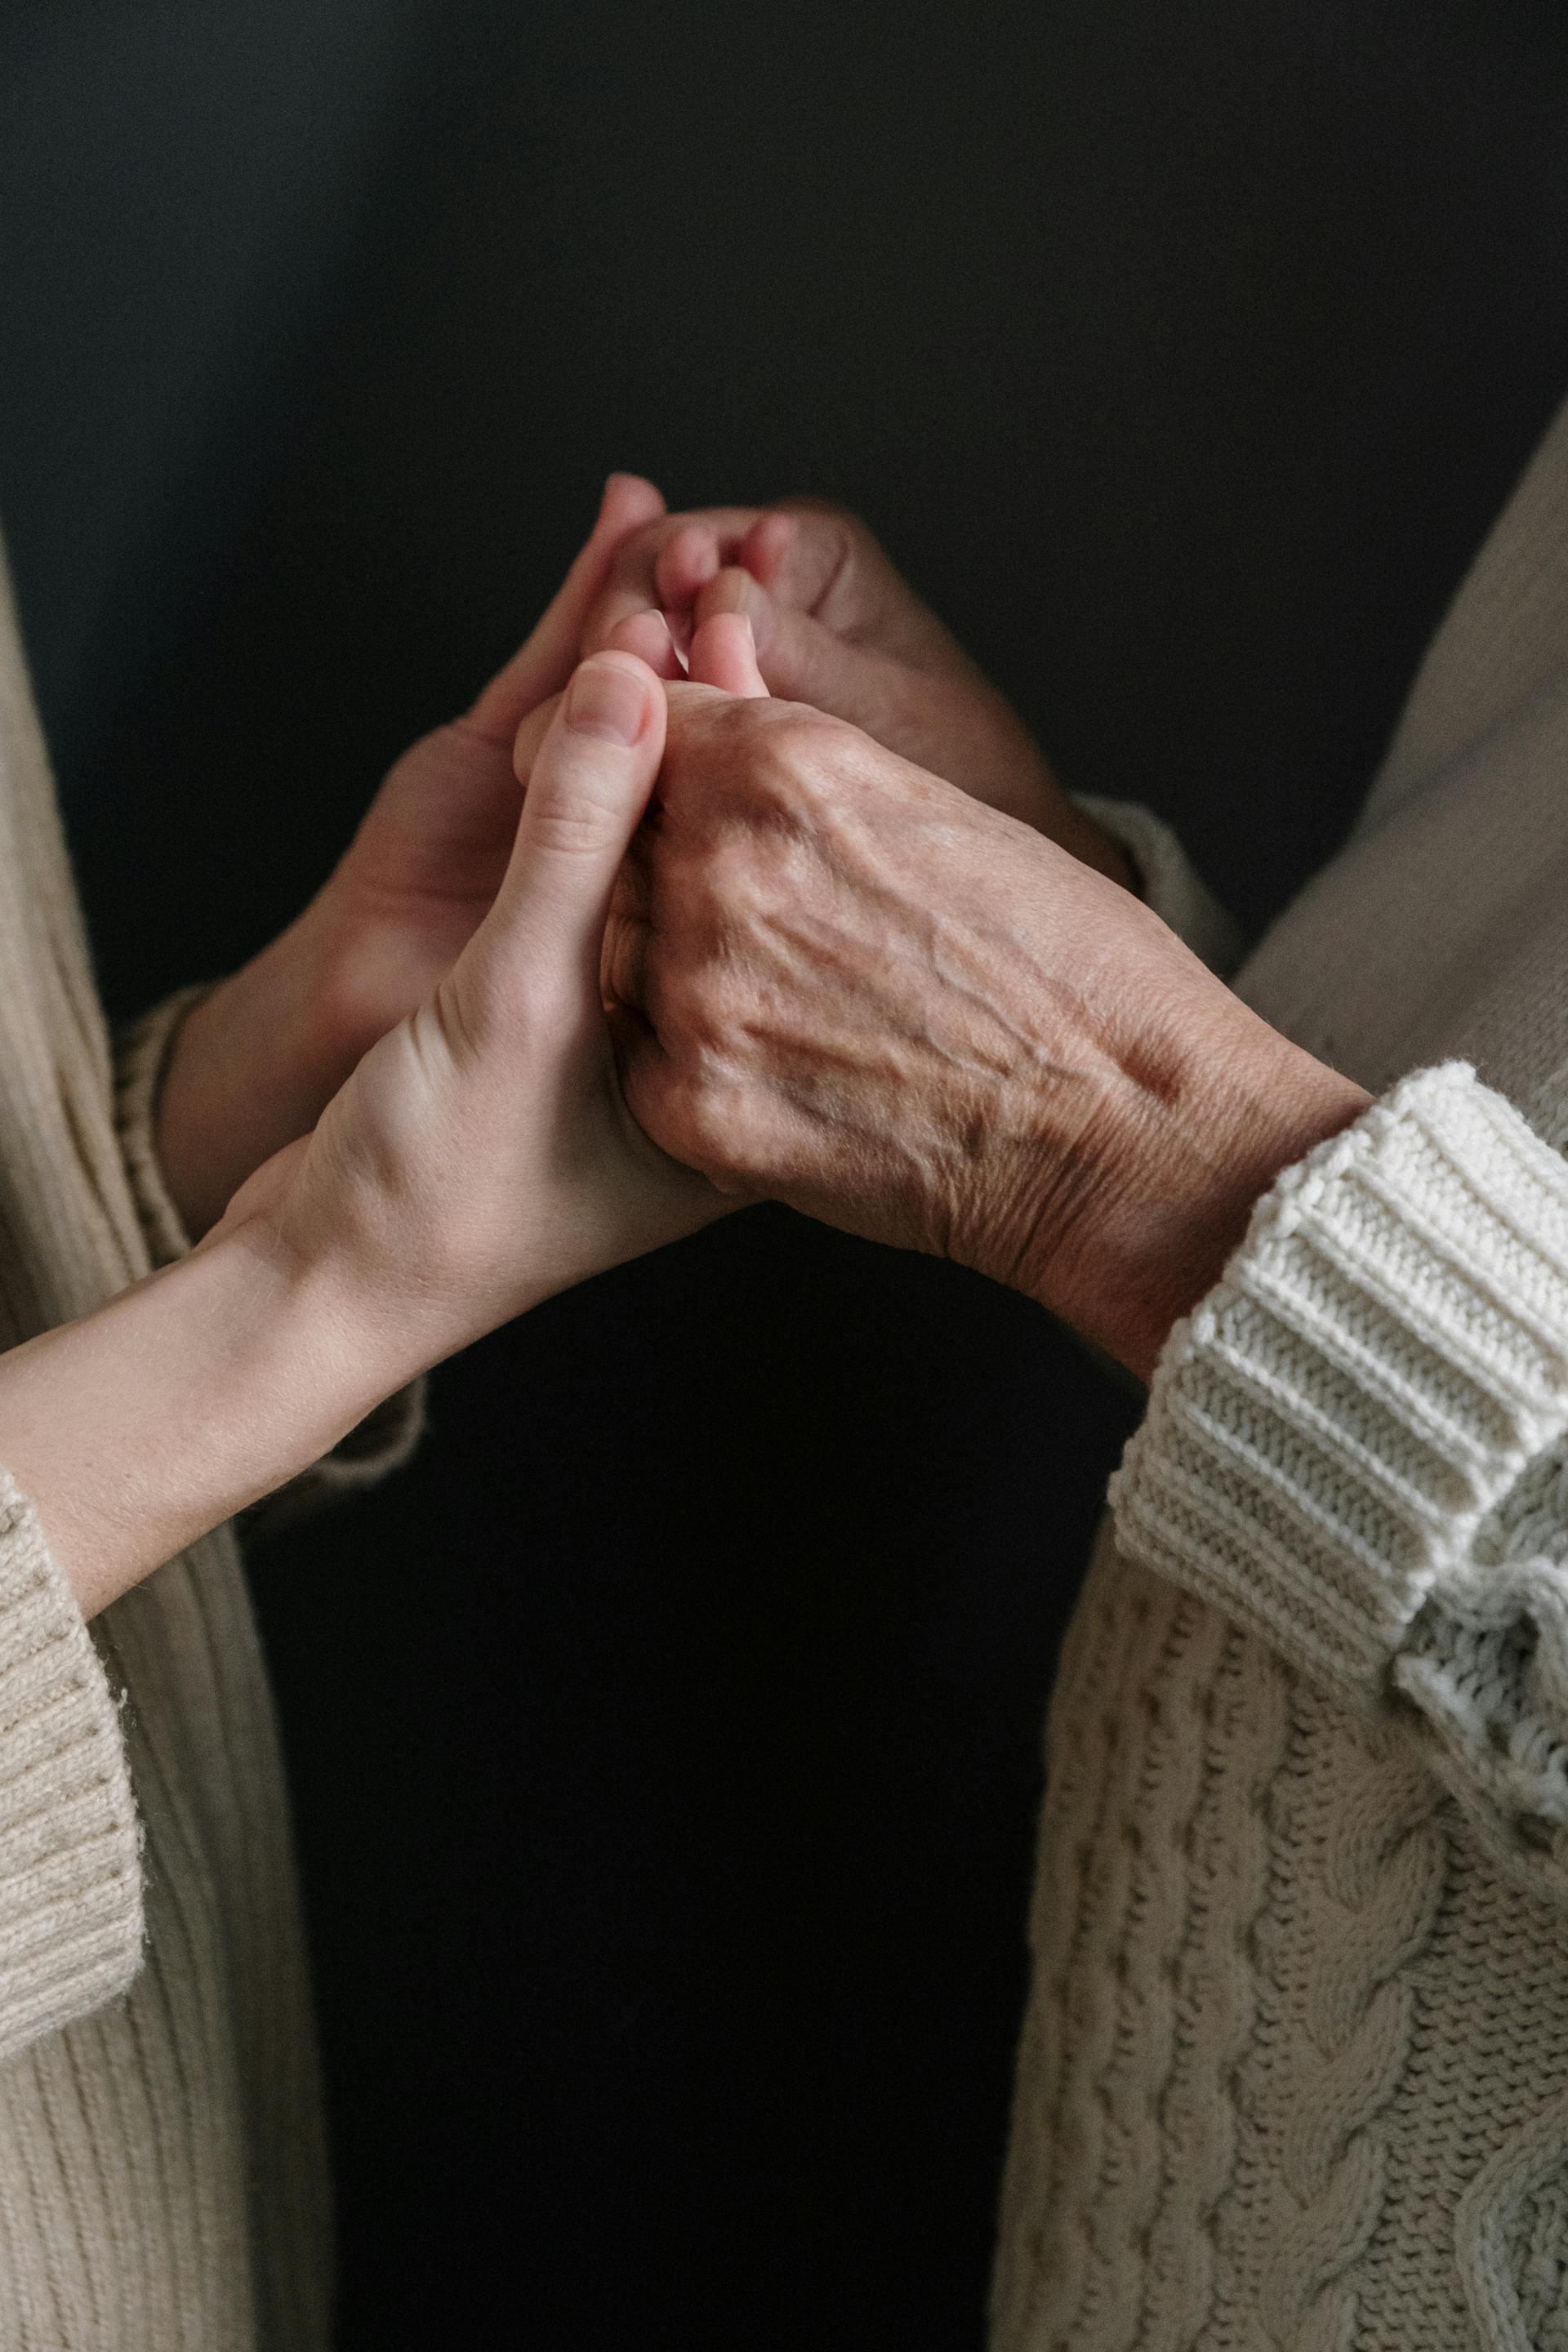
{"points": [[665, 1741]]}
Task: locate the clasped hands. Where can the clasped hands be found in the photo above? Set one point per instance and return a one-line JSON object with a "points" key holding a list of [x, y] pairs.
{"points": [[795, 910]]}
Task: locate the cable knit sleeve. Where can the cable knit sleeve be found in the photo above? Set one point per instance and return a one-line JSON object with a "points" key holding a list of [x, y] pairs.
{"points": [[1358, 1443], [383, 1441], [70, 1892]]}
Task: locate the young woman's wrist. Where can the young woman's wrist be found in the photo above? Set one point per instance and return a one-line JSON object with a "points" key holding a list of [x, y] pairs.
{"points": [[190, 1396]]}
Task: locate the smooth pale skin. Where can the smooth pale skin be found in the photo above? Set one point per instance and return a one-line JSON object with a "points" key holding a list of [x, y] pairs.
{"points": [[429, 1046], [850, 986]]}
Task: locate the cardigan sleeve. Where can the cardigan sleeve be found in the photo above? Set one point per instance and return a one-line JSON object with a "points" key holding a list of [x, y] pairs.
{"points": [[70, 1888], [383, 1441], [1358, 1445]]}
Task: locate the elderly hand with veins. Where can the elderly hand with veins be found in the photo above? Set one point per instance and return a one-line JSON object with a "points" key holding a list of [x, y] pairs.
{"points": [[846, 985], [835, 626]]}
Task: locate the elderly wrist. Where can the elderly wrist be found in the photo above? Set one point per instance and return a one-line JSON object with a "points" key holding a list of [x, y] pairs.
{"points": [[1172, 1177]]}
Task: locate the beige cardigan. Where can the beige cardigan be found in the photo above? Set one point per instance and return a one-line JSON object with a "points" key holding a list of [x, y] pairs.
{"points": [[162, 2182]]}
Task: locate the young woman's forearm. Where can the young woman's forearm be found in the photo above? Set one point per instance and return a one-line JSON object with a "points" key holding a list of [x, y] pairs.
{"points": [[479, 1159], [189, 1396]]}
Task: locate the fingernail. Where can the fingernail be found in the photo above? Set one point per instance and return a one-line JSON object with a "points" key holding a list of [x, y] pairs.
{"points": [[645, 634], [605, 700]]}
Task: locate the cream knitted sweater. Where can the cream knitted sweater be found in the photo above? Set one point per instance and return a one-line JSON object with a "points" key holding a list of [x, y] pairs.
{"points": [[1295, 2068], [161, 2175]]}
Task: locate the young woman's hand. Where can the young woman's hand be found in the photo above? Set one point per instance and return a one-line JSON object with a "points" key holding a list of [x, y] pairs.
{"points": [[256, 1061], [838, 626], [479, 1157]]}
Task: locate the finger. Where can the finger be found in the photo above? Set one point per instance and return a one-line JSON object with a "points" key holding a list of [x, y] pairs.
{"points": [[801, 552], [623, 955], [543, 662], [590, 785], [632, 585], [623, 963], [798, 658], [647, 636], [687, 561], [724, 653], [817, 558], [766, 546]]}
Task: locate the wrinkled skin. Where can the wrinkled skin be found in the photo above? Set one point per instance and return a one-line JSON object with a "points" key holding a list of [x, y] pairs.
{"points": [[849, 986]]}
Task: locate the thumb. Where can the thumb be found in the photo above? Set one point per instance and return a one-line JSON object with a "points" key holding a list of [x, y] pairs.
{"points": [[589, 787]]}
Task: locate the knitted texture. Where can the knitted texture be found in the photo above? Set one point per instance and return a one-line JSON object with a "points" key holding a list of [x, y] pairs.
{"points": [[163, 2184], [70, 1898], [1296, 2068], [1331, 1432], [1294, 2073]]}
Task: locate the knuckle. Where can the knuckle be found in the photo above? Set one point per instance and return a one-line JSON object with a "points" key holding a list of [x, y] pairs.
{"points": [[840, 540], [720, 895], [571, 831], [737, 879], [828, 515], [572, 819], [692, 1014], [710, 744], [805, 734], [635, 556], [798, 764], [758, 759], [707, 1113]]}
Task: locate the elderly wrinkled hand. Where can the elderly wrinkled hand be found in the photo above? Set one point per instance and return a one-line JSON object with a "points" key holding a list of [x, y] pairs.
{"points": [[848, 986]]}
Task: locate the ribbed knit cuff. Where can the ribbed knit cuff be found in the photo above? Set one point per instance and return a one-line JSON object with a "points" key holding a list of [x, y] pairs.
{"points": [[1169, 882], [1385, 1359], [70, 1892], [383, 1441]]}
